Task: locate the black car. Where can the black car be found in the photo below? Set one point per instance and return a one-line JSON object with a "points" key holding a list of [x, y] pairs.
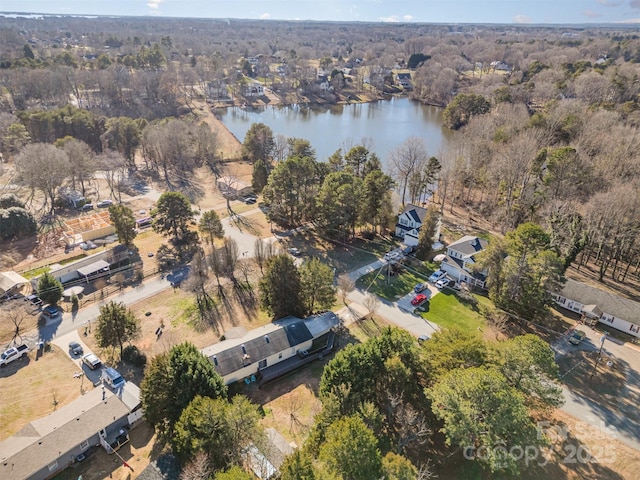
{"points": [[75, 348]]}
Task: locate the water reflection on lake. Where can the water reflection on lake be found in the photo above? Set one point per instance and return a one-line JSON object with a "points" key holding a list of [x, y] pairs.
{"points": [[387, 123]]}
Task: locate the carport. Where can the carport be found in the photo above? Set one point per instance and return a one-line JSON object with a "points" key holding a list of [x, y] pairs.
{"points": [[95, 267], [11, 281]]}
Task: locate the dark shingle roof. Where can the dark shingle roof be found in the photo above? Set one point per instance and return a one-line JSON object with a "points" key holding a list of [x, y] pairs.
{"points": [[619, 307], [416, 213], [468, 245]]}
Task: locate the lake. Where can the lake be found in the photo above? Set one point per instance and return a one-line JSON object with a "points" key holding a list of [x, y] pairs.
{"points": [[385, 124]]}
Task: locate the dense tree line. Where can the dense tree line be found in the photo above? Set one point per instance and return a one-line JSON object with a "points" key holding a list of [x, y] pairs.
{"points": [[383, 400]]}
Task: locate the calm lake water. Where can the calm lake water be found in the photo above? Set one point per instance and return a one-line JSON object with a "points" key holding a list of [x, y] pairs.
{"points": [[387, 123]]}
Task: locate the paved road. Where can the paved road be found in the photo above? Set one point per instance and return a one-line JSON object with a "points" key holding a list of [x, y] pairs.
{"points": [[68, 322], [624, 423]]}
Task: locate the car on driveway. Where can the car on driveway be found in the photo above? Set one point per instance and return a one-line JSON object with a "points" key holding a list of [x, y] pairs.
{"points": [[50, 311], [75, 349], [437, 275], [104, 203], [34, 300], [295, 252], [420, 287], [91, 360], [577, 336], [445, 282], [419, 299]]}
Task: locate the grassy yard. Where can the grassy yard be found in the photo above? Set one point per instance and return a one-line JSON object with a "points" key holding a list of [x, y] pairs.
{"points": [[390, 288], [448, 310], [34, 388]]}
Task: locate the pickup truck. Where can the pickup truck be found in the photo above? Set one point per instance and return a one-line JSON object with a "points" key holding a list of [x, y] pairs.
{"points": [[13, 353]]}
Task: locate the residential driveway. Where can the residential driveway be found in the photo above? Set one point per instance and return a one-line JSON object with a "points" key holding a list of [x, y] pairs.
{"points": [[623, 423], [62, 341], [391, 311]]}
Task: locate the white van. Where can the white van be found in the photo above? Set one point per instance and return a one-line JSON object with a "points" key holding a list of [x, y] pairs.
{"points": [[112, 378]]}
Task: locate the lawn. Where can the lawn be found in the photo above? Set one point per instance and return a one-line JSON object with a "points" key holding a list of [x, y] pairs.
{"points": [[34, 388], [390, 288], [448, 310]]}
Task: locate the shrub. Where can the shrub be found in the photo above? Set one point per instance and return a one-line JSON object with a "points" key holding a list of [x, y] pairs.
{"points": [[131, 354]]}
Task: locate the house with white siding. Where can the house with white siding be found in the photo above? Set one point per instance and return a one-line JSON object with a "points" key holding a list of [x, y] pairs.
{"points": [[268, 351], [600, 306], [50, 444], [409, 224], [460, 260]]}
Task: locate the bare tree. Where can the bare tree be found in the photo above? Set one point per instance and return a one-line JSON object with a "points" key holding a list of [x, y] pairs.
{"points": [[345, 286], [197, 281], [43, 167], [82, 162], [16, 314], [229, 256], [406, 161], [410, 425], [198, 468], [371, 303], [114, 167]]}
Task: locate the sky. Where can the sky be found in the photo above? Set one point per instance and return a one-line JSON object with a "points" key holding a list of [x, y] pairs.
{"points": [[427, 11]]}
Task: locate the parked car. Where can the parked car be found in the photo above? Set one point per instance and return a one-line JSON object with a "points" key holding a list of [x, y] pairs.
{"points": [[418, 299], [112, 378], [420, 287], [394, 255], [422, 338], [13, 353], [91, 360], [50, 311], [577, 337], [86, 207], [34, 300], [75, 348], [295, 252], [104, 203], [445, 282], [408, 250], [437, 275]]}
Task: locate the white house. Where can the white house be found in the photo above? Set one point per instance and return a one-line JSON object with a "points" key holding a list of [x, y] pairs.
{"points": [[254, 90], [600, 306], [460, 258], [50, 444], [273, 349], [409, 223]]}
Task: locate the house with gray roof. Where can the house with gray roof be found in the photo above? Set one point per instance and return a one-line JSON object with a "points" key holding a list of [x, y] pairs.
{"points": [[289, 339], [409, 223], [50, 444], [460, 260], [596, 305]]}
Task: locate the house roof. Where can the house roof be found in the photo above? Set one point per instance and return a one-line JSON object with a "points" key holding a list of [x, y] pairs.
{"points": [[458, 265], [228, 356], [468, 245], [416, 213], [9, 280], [46, 439], [619, 307]]}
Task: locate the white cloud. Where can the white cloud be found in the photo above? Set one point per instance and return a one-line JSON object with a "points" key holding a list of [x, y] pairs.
{"points": [[396, 18], [630, 20], [521, 19], [154, 4], [610, 3], [265, 16], [590, 14]]}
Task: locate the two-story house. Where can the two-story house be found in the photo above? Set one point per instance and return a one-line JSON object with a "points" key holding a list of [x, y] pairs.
{"points": [[409, 223], [460, 259]]}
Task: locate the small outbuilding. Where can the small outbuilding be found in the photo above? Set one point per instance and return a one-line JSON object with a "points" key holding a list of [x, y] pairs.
{"points": [[11, 282]]}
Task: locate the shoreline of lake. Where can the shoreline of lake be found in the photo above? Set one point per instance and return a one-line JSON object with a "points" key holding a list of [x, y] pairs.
{"points": [[383, 123]]}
